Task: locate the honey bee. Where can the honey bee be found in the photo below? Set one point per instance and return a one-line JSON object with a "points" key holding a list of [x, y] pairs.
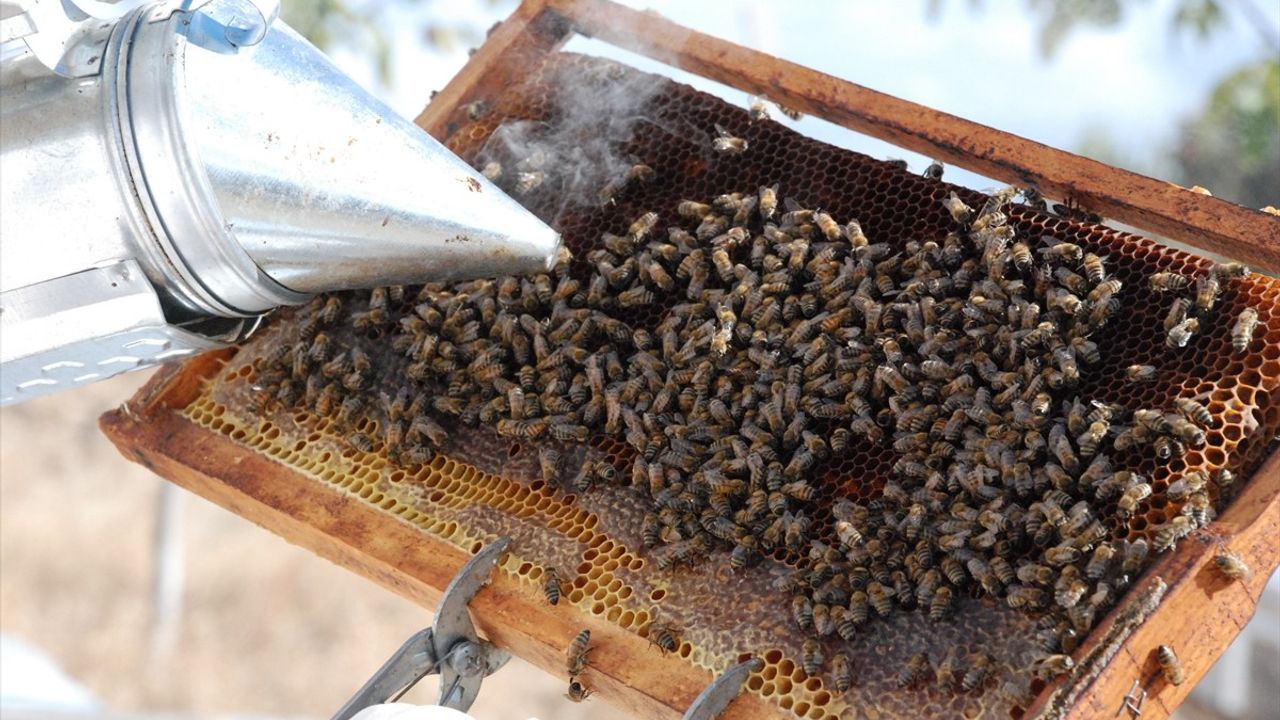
{"points": [[846, 628], [744, 551], [839, 443], [360, 442], [758, 110], [1021, 255], [1093, 268], [527, 182], [527, 429], [1060, 555], [802, 611], [860, 607], [811, 657], [881, 598], [576, 654], [642, 226], [664, 636], [1019, 597], [1168, 282], [577, 691], [828, 226], [976, 674], [788, 112], [1034, 574], [1243, 329], [914, 670], [1170, 666], [1069, 588], [1177, 313], [940, 604], [1141, 373], [492, 171], [639, 172], [1186, 432], [1197, 508], [727, 144], [1179, 335], [1051, 666], [1191, 482], [960, 212], [841, 672], [552, 586], [822, 622], [693, 210], [934, 170], [945, 674], [1130, 498], [723, 265], [1194, 411], [1231, 269], [548, 464], [1091, 438], [1168, 534], [854, 234], [1225, 480], [1059, 251], [1100, 561], [1166, 447], [1135, 555], [1208, 287], [768, 201], [635, 297], [1231, 565]]}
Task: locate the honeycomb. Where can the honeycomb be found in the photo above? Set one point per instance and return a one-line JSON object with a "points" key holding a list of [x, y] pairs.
{"points": [[481, 486]]}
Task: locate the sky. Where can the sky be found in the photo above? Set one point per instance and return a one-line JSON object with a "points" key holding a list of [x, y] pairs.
{"points": [[1132, 83]]}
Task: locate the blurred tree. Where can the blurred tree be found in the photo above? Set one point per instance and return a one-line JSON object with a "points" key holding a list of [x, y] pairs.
{"points": [[367, 26], [327, 23], [1058, 18], [1232, 146]]}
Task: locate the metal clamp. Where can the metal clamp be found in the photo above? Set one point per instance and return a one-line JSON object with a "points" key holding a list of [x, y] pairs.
{"points": [[1134, 700], [712, 701], [449, 647]]}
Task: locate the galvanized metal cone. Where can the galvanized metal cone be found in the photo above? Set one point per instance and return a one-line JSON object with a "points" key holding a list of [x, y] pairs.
{"points": [[327, 188]]}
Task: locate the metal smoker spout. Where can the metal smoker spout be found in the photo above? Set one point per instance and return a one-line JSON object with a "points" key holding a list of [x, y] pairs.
{"points": [[174, 171]]}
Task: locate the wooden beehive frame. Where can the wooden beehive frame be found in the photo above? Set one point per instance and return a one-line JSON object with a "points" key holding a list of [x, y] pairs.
{"points": [[1198, 610]]}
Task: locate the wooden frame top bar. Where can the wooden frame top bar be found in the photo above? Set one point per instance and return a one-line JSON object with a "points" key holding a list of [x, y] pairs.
{"points": [[1156, 206]]}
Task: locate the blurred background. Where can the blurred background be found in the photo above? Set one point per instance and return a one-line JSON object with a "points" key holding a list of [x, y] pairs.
{"points": [[123, 596]]}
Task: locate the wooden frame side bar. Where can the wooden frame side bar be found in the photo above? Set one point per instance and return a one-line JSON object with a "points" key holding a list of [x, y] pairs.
{"points": [[1201, 613], [1153, 205]]}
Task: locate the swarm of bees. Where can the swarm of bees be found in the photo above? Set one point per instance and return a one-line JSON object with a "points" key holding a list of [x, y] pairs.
{"points": [[787, 337], [1193, 303]]}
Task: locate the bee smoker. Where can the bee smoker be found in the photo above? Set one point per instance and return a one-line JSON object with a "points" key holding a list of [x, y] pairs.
{"points": [[171, 172]]}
